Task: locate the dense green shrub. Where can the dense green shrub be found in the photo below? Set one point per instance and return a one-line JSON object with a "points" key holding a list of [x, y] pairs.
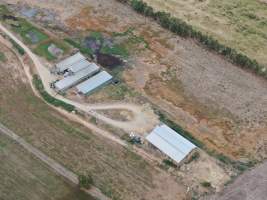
{"points": [[183, 29], [48, 98], [85, 181], [18, 47]]}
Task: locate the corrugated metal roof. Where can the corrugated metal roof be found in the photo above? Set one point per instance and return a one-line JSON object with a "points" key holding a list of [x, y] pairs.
{"points": [[70, 81], [65, 64], [170, 142], [80, 65], [94, 82]]}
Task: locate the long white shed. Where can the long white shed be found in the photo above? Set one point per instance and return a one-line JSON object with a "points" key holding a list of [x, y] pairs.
{"points": [[170, 142], [68, 62], [72, 80], [94, 82]]}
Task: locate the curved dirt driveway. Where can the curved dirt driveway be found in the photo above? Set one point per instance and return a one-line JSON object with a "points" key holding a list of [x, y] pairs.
{"points": [[143, 121]]}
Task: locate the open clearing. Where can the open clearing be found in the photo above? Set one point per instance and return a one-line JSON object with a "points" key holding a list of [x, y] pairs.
{"points": [[221, 104], [24, 177], [250, 185], [116, 171], [241, 24]]}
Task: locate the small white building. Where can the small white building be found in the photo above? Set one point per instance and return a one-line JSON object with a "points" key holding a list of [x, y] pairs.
{"points": [[170, 143]]}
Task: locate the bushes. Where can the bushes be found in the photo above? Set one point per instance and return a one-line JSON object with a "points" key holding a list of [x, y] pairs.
{"points": [[16, 46], [85, 181], [48, 98], [183, 29]]}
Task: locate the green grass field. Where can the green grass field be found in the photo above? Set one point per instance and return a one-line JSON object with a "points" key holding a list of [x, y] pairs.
{"points": [[25, 27], [42, 48]]}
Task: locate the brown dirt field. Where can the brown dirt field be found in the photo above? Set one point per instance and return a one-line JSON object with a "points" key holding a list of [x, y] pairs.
{"points": [[217, 101], [221, 104], [25, 177], [250, 185], [116, 171]]}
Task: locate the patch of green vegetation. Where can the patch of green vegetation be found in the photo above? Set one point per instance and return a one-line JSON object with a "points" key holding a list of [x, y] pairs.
{"points": [[169, 163], [2, 57], [37, 82], [24, 28], [3, 144], [18, 47], [206, 184], [42, 49], [78, 45], [117, 49], [3, 11], [97, 35], [85, 181]]}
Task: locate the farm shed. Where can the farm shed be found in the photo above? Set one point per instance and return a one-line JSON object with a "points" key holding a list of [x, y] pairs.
{"points": [[94, 82], [68, 62], [170, 142], [80, 65], [72, 80]]}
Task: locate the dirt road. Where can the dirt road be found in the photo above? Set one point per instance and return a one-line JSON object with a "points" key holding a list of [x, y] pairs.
{"points": [[140, 119], [141, 122], [58, 168]]}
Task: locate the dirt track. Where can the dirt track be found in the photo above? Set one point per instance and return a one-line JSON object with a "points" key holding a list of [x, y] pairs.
{"points": [[58, 168], [142, 122], [252, 185]]}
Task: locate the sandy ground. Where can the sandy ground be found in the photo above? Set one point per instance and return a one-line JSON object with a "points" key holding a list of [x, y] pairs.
{"points": [[251, 185]]}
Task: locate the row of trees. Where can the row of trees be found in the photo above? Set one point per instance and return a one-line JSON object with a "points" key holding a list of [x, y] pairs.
{"points": [[183, 29]]}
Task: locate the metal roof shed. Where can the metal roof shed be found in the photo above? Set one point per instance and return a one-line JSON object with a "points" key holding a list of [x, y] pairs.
{"points": [[94, 82], [80, 65], [65, 64], [170, 142], [72, 80]]}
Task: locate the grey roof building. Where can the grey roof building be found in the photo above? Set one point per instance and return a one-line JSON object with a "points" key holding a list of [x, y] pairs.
{"points": [[78, 77], [94, 82], [170, 142], [68, 62]]}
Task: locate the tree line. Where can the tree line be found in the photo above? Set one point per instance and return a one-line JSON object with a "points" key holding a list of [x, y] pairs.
{"points": [[185, 30]]}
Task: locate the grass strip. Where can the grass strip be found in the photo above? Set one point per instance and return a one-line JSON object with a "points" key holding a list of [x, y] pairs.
{"points": [[37, 82]]}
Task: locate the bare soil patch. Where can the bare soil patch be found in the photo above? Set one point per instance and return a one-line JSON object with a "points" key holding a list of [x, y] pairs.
{"points": [[250, 185], [221, 104]]}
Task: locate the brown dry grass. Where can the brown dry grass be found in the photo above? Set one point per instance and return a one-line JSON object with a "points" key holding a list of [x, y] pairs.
{"points": [[116, 171]]}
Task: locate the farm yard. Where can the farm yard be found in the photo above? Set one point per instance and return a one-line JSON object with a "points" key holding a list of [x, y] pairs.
{"points": [[156, 76], [117, 172]]}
